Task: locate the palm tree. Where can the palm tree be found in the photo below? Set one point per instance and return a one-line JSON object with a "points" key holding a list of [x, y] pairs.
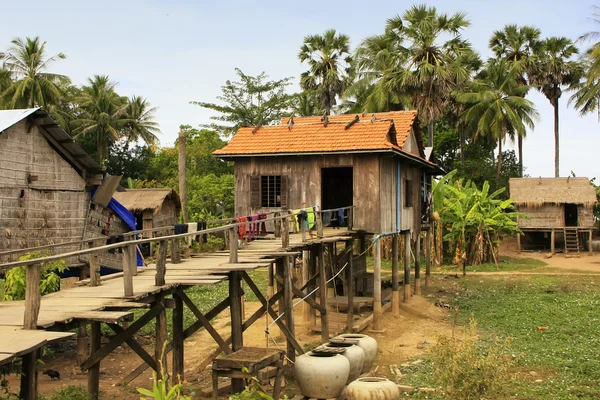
{"points": [[555, 69], [305, 104], [497, 107], [430, 41], [519, 47], [141, 124], [587, 92], [5, 82], [104, 114], [376, 57], [31, 85], [330, 65]]}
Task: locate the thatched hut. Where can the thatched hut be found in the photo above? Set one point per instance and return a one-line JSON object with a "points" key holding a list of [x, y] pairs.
{"points": [[558, 209], [153, 208]]}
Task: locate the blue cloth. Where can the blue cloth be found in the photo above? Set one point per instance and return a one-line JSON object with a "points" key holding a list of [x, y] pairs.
{"points": [[341, 217]]}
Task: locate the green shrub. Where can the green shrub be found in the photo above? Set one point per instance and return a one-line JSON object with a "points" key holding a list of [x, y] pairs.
{"points": [[69, 393], [14, 286], [468, 369]]}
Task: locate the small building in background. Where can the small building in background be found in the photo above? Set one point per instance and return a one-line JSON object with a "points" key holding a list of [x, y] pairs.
{"points": [[152, 208], [560, 213]]}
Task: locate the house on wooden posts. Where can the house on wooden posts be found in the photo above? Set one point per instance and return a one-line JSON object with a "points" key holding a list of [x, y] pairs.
{"points": [[560, 212], [152, 208], [373, 162], [46, 184]]}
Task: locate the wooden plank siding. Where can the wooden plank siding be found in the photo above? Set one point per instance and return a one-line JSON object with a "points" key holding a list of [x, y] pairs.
{"points": [[553, 216]]}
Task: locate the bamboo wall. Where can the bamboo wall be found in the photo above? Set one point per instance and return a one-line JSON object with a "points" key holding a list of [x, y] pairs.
{"points": [[553, 216]]}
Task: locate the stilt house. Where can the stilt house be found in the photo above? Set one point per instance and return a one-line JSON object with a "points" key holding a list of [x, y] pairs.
{"points": [[373, 162], [560, 212]]}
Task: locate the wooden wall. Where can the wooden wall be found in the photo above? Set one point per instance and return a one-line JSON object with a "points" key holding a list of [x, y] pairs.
{"points": [[553, 216], [52, 208], [374, 191]]}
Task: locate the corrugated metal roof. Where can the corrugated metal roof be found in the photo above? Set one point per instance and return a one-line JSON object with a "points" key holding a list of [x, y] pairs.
{"points": [[65, 145], [10, 117]]}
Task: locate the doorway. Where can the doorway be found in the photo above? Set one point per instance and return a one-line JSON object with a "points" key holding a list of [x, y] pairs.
{"points": [[336, 187], [571, 217]]}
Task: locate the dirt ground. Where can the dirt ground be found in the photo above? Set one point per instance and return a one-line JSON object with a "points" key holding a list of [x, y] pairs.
{"points": [[406, 337]]}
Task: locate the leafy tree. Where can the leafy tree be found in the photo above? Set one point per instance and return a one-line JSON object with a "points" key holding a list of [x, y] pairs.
{"points": [[431, 41], [250, 101], [555, 70], [496, 107], [5, 82], [129, 160], [519, 46], [31, 85], [330, 65], [104, 114]]}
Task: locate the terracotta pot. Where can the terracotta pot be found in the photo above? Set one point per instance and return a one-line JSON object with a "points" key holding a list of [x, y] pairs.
{"points": [[367, 343], [371, 388], [355, 355], [321, 376]]}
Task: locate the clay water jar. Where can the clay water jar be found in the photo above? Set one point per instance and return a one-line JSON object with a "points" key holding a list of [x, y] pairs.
{"points": [[371, 388], [321, 375], [355, 355], [367, 343]]}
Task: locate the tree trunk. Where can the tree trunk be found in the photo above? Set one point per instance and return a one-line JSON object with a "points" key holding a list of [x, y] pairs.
{"points": [[461, 134], [499, 157], [182, 181], [520, 145], [556, 140], [430, 134], [100, 146]]}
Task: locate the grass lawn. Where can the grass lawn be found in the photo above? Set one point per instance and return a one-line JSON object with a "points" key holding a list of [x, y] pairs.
{"points": [[553, 324]]}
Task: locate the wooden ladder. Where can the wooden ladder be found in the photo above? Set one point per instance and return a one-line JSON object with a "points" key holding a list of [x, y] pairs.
{"points": [[571, 241]]}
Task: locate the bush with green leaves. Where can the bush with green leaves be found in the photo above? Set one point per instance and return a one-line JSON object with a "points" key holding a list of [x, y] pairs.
{"points": [[14, 286]]}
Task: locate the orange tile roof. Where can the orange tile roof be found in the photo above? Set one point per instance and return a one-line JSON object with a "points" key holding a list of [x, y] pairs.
{"points": [[403, 121], [311, 138]]}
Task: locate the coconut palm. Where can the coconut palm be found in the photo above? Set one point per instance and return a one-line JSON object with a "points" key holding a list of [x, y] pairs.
{"points": [[586, 97], [593, 54], [375, 58], [430, 41], [556, 69], [32, 86], [304, 104], [5, 82], [140, 124], [497, 107], [104, 114], [330, 65], [519, 47]]}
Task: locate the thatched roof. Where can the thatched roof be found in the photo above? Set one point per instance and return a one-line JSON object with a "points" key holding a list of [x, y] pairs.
{"points": [[535, 192], [146, 199]]}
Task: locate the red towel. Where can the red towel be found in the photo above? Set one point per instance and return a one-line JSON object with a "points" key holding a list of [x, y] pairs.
{"points": [[241, 228]]}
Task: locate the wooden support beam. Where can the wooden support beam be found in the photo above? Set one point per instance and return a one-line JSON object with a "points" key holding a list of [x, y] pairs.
{"points": [[128, 271], [136, 347], [518, 242], [161, 263], [160, 354], [32, 296], [95, 269], [590, 249], [305, 276], [298, 293], [406, 267], [319, 223], [175, 251], [271, 312], [350, 286], [82, 350], [178, 338], [428, 242], [288, 305], [377, 323], [99, 354], [279, 283], [29, 376], [323, 294], [94, 368], [206, 323], [285, 231], [233, 245], [235, 307], [395, 276], [552, 242], [418, 265], [311, 284]]}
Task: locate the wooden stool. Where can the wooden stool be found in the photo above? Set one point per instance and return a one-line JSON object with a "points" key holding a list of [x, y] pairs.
{"points": [[253, 359]]}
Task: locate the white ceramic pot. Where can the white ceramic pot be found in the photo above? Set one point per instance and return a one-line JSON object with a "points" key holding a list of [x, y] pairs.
{"points": [[321, 376], [367, 343], [371, 388], [355, 355]]}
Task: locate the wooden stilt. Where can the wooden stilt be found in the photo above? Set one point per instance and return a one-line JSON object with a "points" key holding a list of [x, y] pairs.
{"points": [[311, 286], [395, 277], [428, 237], [350, 286], [518, 242], [305, 278], [235, 307], [178, 348], [94, 371], [323, 294], [279, 283], [161, 338], [418, 265], [82, 342], [407, 267], [590, 249], [288, 308], [377, 323], [552, 242], [29, 376]]}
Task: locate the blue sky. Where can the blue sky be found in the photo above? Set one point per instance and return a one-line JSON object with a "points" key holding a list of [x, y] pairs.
{"points": [[173, 52]]}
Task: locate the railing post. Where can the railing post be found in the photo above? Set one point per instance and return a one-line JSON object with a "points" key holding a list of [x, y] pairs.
{"points": [[32, 296], [319, 222], [233, 245], [350, 218], [128, 270], [303, 220], [175, 251], [161, 263], [95, 269], [277, 225], [285, 230]]}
